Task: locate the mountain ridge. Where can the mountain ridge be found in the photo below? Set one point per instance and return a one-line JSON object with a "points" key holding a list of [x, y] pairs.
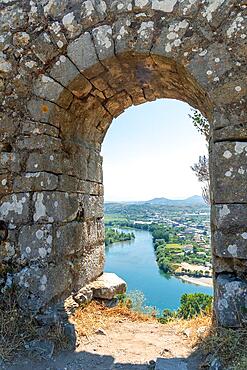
{"points": [[193, 200]]}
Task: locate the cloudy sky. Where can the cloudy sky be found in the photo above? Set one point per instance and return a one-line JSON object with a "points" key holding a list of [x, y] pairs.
{"points": [[148, 151]]}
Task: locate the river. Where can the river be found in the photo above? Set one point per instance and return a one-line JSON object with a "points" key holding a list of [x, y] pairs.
{"points": [[134, 261]]}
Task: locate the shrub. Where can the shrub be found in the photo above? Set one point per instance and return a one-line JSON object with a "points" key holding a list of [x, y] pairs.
{"points": [[192, 305]]}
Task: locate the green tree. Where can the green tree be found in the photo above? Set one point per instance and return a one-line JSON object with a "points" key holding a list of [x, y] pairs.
{"points": [[192, 305]]}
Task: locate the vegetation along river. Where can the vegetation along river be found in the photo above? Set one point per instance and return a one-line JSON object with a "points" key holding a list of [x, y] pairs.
{"points": [[134, 261]]}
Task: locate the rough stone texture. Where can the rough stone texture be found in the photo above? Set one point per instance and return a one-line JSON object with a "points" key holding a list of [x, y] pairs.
{"points": [[231, 302], [170, 364], [66, 70], [107, 286]]}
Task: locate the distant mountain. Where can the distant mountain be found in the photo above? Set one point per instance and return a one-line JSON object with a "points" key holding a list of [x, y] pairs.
{"points": [[194, 200]]}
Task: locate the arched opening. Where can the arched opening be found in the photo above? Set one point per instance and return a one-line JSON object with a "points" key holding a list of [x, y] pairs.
{"points": [[147, 157], [83, 72], [83, 111]]}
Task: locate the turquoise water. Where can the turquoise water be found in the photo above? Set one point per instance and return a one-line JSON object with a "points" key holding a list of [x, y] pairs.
{"points": [[135, 262]]}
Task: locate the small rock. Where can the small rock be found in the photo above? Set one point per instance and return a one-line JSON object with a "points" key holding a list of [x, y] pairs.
{"points": [[202, 330], [215, 364], [170, 364], [41, 348], [187, 332], [70, 335], [151, 365], [84, 295], [100, 331]]}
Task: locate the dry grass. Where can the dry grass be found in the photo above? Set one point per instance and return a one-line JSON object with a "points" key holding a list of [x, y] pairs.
{"points": [[15, 328], [197, 328], [95, 315], [229, 345]]}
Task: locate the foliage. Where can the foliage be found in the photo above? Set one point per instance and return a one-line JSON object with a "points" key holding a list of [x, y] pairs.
{"points": [[200, 123], [191, 305], [135, 301], [113, 236], [201, 168]]}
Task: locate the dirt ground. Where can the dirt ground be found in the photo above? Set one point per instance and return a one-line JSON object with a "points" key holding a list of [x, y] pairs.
{"points": [[125, 346]]}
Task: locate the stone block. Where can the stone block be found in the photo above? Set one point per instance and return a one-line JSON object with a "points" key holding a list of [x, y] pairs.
{"points": [[44, 49], [229, 236], [118, 103], [38, 142], [64, 71], [80, 86], [40, 285], [107, 286], [70, 238], [170, 364], [230, 245], [103, 41], [36, 242], [15, 208], [229, 217], [229, 172], [55, 206], [89, 266], [37, 128], [46, 88], [210, 64], [231, 301], [35, 181], [40, 110], [10, 162], [92, 206], [82, 52], [68, 183]]}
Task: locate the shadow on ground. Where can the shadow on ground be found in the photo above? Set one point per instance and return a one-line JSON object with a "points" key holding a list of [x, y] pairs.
{"points": [[91, 361]]}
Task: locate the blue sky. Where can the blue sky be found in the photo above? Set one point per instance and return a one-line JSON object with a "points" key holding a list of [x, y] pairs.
{"points": [[148, 151]]}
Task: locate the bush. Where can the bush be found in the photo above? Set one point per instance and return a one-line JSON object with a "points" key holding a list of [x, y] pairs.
{"points": [[192, 305]]}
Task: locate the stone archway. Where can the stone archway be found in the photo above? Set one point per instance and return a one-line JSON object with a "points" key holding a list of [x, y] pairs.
{"points": [[67, 69]]}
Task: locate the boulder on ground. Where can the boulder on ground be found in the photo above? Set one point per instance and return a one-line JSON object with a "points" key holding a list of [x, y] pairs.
{"points": [[107, 286]]}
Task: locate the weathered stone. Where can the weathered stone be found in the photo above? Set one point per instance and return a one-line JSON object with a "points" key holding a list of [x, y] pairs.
{"points": [[35, 181], [43, 48], [46, 88], [231, 298], [64, 71], [88, 267], [41, 348], [38, 142], [39, 285], [36, 242], [82, 52], [60, 88], [15, 208], [103, 41], [107, 286], [170, 364], [84, 295], [55, 207], [230, 164], [35, 128]]}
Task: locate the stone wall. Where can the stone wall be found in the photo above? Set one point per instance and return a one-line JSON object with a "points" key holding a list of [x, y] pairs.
{"points": [[67, 68]]}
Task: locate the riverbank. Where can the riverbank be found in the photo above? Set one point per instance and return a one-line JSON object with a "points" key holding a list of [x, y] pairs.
{"points": [[202, 281]]}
